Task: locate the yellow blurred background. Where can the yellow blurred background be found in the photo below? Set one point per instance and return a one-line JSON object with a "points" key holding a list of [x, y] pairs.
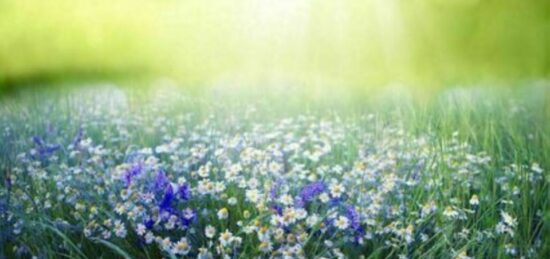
{"points": [[349, 43]]}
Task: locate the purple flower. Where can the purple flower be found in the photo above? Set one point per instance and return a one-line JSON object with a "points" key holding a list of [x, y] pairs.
{"points": [[167, 198], [188, 216], [329, 222], [184, 192], [78, 137], [38, 141], [160, 181], [355, 222], [353, 217], [310, 191], [44, 149], [131, 172], [334, 202], [149, 223], [278, 209], [273, 193]]}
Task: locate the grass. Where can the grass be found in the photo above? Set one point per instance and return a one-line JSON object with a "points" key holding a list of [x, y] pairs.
{"points": [[408, 151]]}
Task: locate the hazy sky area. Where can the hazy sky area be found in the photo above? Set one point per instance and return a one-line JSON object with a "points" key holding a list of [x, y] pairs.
{"points": [[354, 43]]}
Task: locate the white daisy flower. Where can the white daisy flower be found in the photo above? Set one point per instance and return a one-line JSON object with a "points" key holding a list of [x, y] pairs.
{"points": [[226, 238], [474, 200], [182, 247], [336, 190], [342, 222], [253, 196], [223, 213], [209, 231], [286, 200]]}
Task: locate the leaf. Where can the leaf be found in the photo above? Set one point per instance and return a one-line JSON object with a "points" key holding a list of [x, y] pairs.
{"points": [[114, 247], [64, 237]]}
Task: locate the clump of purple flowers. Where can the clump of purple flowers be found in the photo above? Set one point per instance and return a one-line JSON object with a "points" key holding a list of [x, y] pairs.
{"points": [[354, 218], [310, 191], [131, 172], [44, 149]]}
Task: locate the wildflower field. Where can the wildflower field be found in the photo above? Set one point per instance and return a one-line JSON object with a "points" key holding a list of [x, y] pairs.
{"points": [[112, 172]]}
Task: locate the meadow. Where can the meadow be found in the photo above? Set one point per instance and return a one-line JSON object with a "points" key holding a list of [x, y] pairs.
{"points": [[107, 171]]}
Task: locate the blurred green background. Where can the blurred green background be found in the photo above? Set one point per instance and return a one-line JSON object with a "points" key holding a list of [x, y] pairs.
{"points": [[354, 43]]}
